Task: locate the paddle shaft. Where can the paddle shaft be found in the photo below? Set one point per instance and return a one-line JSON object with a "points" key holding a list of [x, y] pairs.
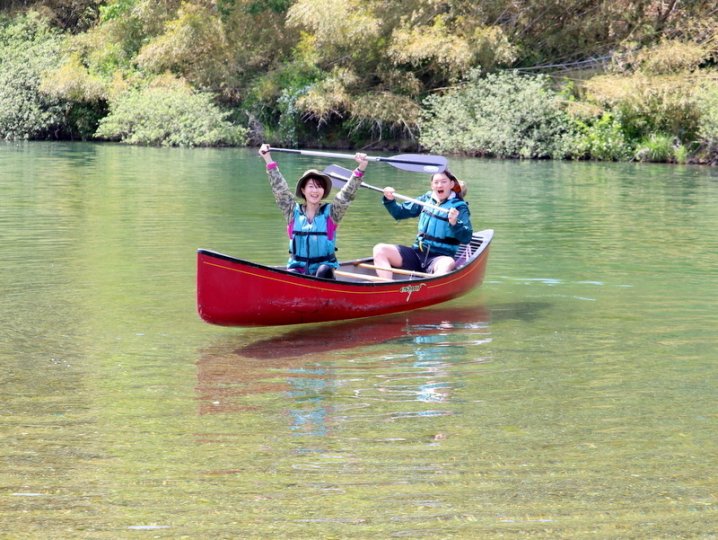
{"points": [[367, 277], [396, 195], [411, 162], [395, 270], [409, 199]]}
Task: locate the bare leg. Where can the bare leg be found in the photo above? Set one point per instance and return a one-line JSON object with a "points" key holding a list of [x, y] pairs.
{"points": [[442, 265], [386, 255]]}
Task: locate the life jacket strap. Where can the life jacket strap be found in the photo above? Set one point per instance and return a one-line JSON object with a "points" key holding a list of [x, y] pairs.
{"points": [[311, 233], [315, 260], [450, 241]]}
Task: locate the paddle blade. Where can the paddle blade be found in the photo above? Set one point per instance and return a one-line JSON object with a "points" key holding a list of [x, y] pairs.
{"points": [[339, 175], [421, 163]]}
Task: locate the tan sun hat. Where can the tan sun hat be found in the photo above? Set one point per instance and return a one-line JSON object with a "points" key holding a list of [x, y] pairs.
{"points": [[319, 176]]}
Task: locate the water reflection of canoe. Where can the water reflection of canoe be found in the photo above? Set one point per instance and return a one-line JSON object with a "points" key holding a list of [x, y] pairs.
{"points": [[234, 292], [235, 369], [360, 333]]}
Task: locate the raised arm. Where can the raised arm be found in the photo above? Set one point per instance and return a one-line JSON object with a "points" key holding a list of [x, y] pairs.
{"points": [[282, 194], [346, 195]]}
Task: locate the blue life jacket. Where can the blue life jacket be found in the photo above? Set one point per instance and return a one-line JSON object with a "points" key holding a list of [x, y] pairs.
{"points": [[312, 244], [435, 236]]}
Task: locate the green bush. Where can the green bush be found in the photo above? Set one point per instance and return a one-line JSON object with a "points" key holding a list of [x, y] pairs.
{"points": [[708, 124], [28, 47], [502, 115], [657, 147], [680, 154], [271, 103], [173, 116], [648, 103], [602, 140], [289, 118]]}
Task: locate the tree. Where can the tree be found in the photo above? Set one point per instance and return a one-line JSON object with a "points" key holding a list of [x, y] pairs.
{"points": [[28, 47]]}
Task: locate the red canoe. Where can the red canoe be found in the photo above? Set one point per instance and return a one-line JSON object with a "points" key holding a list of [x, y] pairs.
{"points": [[234, 292]]}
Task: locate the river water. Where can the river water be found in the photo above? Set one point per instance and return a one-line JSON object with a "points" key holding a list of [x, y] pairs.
{"points": [[573, 395]]}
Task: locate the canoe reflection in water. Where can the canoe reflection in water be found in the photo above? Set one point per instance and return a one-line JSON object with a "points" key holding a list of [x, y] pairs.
{"points": [[363, 332], [298, 363]]}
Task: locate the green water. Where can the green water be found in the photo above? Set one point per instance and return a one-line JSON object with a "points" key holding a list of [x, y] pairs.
{"points": [[573, 395]]}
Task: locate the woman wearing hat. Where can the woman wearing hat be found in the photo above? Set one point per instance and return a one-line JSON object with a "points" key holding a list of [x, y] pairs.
{"points": [[312, 224], [440, 233]]}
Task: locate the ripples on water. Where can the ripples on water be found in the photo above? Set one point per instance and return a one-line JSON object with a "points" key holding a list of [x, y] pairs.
{"points": [[571, 396], [439, 340], [349, 401]]}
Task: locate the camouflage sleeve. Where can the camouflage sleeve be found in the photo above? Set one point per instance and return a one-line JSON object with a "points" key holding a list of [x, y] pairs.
{"points": [[282, 194], [343, 199]]}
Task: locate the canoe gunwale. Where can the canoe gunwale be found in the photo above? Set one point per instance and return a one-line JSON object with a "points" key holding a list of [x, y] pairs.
{"points": [[236, 292], [485, 236]]}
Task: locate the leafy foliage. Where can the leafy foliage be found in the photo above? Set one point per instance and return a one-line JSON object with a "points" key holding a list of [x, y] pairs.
{"points": [[335, 26], [71, 15], [72, 82], [653, 90], [447, 53], [656, 147], [289, 124], [193, 46], [257, 7], [169, 115], [117, 9], [708, 126], [335, 71], [601, 139], [328, 97], [28, 47], [648, 105], [502, 115], [272, 103], [385, 113], [670, 56], [81, 95], [419, 46]]}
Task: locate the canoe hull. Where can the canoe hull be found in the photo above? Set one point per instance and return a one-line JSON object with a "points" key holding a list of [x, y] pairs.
{"points": [[234, 292]]}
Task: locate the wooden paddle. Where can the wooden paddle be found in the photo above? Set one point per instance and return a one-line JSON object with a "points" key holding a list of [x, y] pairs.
{"points": [[367, 277], [341, 176], [410, 273], [421, 163]]}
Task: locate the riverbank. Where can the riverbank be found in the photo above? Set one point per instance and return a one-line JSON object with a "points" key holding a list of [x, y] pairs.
{"points": [[143, 73]]}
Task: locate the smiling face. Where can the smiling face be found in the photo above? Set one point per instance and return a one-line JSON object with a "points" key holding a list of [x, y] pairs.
{"points": [[441, 186], [313, 191]]}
